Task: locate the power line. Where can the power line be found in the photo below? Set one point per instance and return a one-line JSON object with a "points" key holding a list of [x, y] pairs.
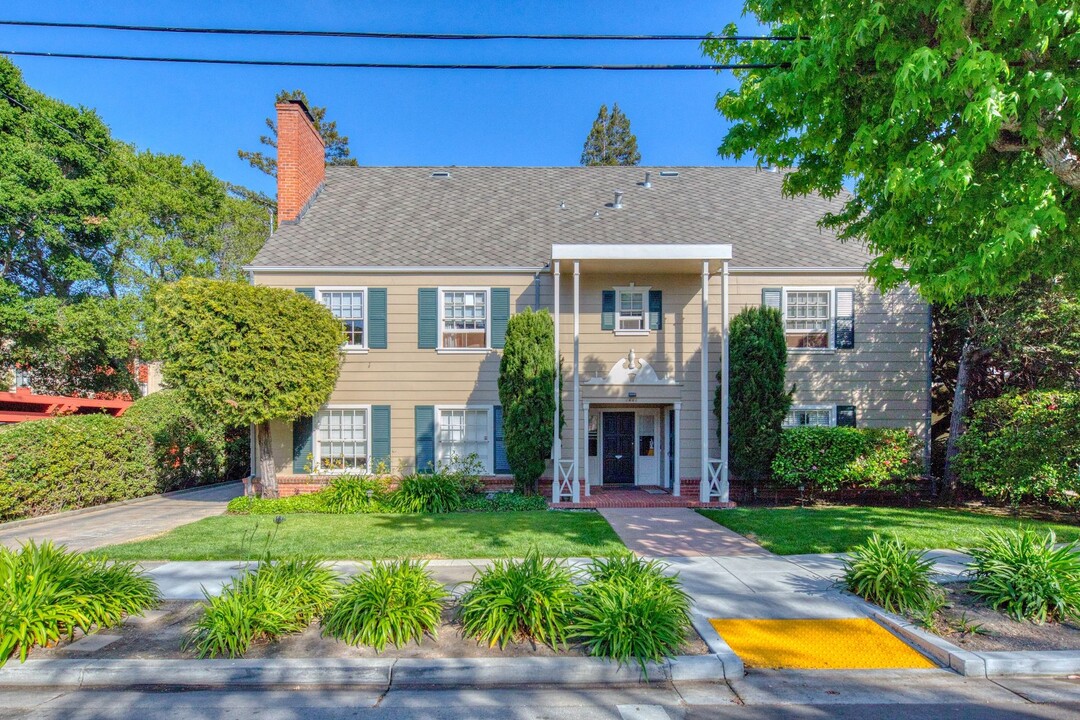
{"points": [[392, 35], [392, 66]]}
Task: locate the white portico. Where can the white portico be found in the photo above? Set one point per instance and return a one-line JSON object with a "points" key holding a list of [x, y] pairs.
{"points": [[627, 420]]}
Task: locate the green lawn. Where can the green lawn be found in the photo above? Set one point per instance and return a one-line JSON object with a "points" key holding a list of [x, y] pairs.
{"points": [[795, 531], [363, 537]]}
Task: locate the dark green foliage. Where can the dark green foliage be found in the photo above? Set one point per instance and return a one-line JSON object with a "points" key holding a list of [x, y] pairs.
{"points": [[631, 610], [353, 494], [528, 599], [1024, 447], [246, 354], [830, 458], [278, 598], [70, 462], [305, 503], [394, 602], [527, 394], [47, 592], [610, 141], [760, 399], [1022, 574], [887, 573], [503, 502], [434, 492]]}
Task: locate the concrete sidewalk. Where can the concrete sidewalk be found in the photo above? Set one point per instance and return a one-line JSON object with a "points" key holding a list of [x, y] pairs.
{"points": [[122, 522], [677, 532]]}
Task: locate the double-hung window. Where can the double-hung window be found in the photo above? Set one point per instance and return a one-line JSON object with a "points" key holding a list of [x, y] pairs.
{"points": [[808, 318], [632, 310], [809, 416], [462, 432], [342, 439], [464, 318], [348, 306]]}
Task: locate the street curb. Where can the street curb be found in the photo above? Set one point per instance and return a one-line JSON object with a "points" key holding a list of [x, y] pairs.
{"points": [[984, 664], [353, 672], [732, 664], [95, 508]]}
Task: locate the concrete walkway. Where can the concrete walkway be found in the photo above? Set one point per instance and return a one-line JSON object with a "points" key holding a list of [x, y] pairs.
{"points": [[677, 532], [94, 528]]}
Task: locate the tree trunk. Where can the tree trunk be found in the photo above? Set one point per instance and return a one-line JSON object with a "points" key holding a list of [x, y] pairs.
{"points": [[960, 405], [264, 455]]}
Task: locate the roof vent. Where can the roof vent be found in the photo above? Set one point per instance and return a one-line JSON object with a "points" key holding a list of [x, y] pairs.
{"points": [[648, 180], [773, 168], [440, 174], [618, 200], [562, 206], [596, 214], [669, 173]]}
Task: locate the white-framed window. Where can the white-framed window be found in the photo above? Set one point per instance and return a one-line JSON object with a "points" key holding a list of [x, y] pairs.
{"points": [[461, 431], [349, 305], [464, 318], [808, 318], [632, 310], [812, 416], [342, 439]]}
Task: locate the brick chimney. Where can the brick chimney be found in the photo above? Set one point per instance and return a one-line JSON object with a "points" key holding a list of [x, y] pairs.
{"points": [[301, 161]]}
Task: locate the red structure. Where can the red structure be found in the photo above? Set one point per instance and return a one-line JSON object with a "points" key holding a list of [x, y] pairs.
{"points": [[24, 405]]}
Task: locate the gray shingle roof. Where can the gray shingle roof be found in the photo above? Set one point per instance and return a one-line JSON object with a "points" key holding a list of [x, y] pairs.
{"points": [[510, 217]]}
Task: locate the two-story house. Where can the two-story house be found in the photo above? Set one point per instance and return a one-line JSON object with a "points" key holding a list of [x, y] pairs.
{"points": [[642, 269]]}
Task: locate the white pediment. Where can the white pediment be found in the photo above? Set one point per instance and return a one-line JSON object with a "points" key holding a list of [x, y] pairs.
{"points": [[630, 370]]}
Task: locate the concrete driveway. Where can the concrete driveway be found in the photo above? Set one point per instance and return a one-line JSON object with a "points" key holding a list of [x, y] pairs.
{"points": [[117, 523]]}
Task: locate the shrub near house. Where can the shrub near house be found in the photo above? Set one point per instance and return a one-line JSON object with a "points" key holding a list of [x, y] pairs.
{"points": [[830, 458]]}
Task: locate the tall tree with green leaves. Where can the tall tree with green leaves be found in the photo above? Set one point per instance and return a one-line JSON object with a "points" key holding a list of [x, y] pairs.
{"points": [[610, 141], [527, 394], [337, 145], [247, 355], [955, 122], [760, 397]]}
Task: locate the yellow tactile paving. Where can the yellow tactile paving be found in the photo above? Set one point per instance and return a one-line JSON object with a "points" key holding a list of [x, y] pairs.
{"points": [[850, 644]]}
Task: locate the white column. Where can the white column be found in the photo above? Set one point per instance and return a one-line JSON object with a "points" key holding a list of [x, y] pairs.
{"points": [[677, 487], [556, 444], [724, 383], [577, 385], [585, 462], [704, 491]]}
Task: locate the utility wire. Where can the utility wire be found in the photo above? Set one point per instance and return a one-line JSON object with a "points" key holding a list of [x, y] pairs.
{"points": [[391, 66], [392, 35]]}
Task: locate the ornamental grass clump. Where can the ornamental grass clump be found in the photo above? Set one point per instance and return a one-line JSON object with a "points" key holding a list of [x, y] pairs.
{"points": [[352, 494], [278, 598], [886, 572], [48, 592], [434, 492], [529, 599], [631, 610], [394, 602], [1023, 574]]}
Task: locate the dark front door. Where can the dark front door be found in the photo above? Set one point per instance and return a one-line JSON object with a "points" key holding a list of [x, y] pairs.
{"points": [[618, 447]]}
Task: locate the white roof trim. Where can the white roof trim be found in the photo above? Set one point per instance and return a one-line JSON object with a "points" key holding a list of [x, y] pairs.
{"points": [[389, 269], [639, 251], [802, 270]]}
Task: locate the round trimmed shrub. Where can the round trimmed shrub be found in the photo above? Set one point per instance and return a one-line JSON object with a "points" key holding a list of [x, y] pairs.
{"points": [[1024, 447]]}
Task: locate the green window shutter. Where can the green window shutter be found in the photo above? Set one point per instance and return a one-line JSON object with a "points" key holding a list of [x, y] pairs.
{"points": [[607, 311], [502, 462], [302, 445], [380, 436], [844, 336], [427, 307], [425, 438], [376, 318], [500, 315], [845, 416], [307, 292], [656, 310], [771, 298]]}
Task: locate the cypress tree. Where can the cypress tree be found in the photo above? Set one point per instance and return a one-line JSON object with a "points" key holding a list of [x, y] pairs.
{"points": [[760, 399], [610, 141]]}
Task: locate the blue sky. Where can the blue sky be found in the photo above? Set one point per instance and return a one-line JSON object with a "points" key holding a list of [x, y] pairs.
{"points": [[393, 117]]}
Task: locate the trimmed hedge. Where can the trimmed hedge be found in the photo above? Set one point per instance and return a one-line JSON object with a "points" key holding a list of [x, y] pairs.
{"points": [[1024, 447], [320, 503], [829, 458], [77, 461]]}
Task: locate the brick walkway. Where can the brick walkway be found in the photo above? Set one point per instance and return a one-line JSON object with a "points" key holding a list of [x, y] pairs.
{"points": [[86, 530], [672, 531], [638, 496]]}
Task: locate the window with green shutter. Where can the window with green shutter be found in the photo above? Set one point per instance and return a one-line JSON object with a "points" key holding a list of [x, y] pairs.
{"points": [[502, 462], [427, 307], [607, 310], [424, 417], [380, 437], [845, 416], [656, 310], [376, 318], [844, 335], [500, 316], [302, 444]]}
